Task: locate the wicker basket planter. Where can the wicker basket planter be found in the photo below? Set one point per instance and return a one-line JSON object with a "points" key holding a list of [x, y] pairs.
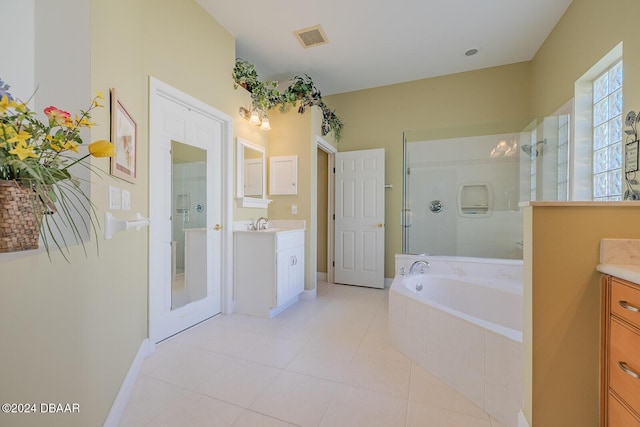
{"points": [[19, 227]]}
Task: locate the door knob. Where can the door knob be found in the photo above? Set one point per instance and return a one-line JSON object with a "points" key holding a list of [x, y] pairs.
{"points": [[217, 227], [380, 225]]}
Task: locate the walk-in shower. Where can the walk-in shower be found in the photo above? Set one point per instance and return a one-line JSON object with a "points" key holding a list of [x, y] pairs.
{"points": [[463, 187]]}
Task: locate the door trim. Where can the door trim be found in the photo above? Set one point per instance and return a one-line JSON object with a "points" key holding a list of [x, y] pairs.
{"points": [[159, 90]]}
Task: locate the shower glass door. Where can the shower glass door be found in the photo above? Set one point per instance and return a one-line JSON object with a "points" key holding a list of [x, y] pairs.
{"points": [[462, 187]]}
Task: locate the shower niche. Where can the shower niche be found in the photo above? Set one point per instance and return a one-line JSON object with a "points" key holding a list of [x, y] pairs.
{"points": [[474, 200]]}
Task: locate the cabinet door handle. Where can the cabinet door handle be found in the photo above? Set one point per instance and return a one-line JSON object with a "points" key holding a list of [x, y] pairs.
{"points": [[628, 370], [626, 306]]}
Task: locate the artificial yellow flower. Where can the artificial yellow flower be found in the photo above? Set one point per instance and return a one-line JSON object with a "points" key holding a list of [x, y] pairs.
{"points": [[4, 104], [99, 94], [102, 148], [23, 151], [70, 145], [85, 122], [20, 137]]}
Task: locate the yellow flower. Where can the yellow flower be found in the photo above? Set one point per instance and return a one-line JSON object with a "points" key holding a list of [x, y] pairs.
{"points": [[23, 151], [85, 122], [4, 104], [102, 148], [20, 137], [99, 94], [70, 145]]}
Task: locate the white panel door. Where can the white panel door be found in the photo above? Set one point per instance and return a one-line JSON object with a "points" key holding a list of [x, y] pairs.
{"points": [[197, 135], [359, 224]]}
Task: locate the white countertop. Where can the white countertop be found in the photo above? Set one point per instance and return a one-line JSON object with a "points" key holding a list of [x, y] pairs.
{"points": [[620, 258], [628, 272]]}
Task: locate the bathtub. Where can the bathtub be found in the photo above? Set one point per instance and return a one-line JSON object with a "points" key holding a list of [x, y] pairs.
{"points": [[462, 321]]}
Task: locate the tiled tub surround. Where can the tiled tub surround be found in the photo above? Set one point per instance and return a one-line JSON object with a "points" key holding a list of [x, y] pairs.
{"points": [[464, 326]]}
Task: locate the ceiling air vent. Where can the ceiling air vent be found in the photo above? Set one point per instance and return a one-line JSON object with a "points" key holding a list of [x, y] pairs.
{"points": [[312, 36]]}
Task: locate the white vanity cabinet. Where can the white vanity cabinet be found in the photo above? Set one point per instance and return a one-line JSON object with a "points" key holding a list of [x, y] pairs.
{"points": [[268, 270]]}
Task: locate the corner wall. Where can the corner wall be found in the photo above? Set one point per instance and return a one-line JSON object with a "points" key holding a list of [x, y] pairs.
{"points": [[71, 331], [562, 296], [485, 99]]}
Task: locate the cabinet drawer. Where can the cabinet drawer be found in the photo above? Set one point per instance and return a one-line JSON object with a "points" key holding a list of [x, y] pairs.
{"points": [[289, 240], [619, 416], [625, 349], [625, 301]]}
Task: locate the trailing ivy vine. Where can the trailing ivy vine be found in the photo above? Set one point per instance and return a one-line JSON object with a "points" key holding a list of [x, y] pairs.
{"points": [[302, 92]]}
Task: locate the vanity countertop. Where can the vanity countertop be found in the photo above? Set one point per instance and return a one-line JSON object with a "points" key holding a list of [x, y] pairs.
{"points": [[270, 230], [275, 226], [620, 258], [628, 272]]}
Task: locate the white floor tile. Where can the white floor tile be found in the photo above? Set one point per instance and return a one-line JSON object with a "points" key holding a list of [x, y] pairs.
{"points": [[150, 397], [253, 419], [327, 362], [296, 398], [196, 410], [354, 407], [240, 383]]}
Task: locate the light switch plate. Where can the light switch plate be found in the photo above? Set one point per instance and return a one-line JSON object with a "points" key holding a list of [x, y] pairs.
{"points": [[126, 200], [294, 209], [115, 198]]}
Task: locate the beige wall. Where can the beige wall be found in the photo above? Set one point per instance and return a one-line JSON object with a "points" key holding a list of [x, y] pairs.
{"points": [[377, 118], [71, 331], [295, 134], [563, 289], [562, 373]]}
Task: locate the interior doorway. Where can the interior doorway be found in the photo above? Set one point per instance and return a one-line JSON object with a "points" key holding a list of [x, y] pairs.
{"points": [[325, 205], [190, 211]]}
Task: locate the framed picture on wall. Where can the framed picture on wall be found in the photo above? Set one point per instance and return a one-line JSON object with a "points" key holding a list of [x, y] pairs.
{"points": [[124, 137]]}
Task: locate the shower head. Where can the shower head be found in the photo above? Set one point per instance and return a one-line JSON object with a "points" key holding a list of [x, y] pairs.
{"points": [[535, 150]]}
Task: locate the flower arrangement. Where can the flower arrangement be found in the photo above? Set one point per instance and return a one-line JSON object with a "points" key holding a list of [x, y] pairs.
{"points": [[631, 121], [36, 156]]}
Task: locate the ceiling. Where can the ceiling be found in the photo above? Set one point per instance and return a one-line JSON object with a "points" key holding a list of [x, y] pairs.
{"points": [[374, 43]]}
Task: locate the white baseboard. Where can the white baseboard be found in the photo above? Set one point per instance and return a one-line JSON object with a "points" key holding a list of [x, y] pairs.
{"points": [[122, 398], [309, 294], [522, 420]]}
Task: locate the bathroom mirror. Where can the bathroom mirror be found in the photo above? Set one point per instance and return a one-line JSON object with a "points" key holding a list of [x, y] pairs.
{"points": [[251, 175]]}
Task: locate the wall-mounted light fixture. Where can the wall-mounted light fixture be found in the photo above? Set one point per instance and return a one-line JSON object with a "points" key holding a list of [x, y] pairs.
{"points": [[256, 117]]}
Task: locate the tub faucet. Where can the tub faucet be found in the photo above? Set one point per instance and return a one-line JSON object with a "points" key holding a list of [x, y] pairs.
{"points": [[261, 223], [419, 267]]}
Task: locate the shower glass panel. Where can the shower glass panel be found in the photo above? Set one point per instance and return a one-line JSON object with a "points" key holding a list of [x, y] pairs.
{"points": [[188, 224], [462, 189]]}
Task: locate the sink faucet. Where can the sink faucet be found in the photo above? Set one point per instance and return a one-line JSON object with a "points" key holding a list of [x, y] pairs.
{"points": [[261, 223], [419, 267]]}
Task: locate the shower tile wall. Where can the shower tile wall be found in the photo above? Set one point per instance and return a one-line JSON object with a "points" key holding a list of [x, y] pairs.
{"points": [[437, 169]]}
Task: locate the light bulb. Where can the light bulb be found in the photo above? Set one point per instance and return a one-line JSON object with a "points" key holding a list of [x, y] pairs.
{"points": [[255, 117], [265, 123]]}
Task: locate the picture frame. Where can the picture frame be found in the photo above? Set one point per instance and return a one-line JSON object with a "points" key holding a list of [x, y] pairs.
{"points": [[631, 157], [124, 135]]}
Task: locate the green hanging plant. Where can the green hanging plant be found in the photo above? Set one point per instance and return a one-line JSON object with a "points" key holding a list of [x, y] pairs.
{"points": [[245, 75], [302, 92]]}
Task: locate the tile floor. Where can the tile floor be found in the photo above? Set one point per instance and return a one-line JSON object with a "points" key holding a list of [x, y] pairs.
{"points": [[326, 362]]}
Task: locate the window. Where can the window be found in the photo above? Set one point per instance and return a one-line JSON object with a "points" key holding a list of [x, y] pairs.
{"points": [[564, 122], [607, 134]]}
